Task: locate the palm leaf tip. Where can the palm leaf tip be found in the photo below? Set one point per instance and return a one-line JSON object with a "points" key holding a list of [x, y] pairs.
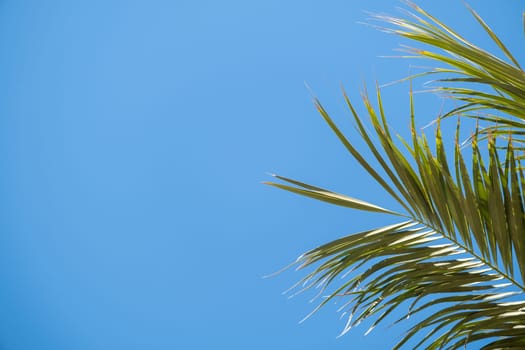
{"points": [[327, 196]]}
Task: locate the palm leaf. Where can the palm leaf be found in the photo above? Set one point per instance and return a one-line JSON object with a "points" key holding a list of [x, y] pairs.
{"points": [[461, 243], [457, 257], [487, 82]]}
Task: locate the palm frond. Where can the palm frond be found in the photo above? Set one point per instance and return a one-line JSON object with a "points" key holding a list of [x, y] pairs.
{"points": [[456, 256], [486, 81], [461, 243]]}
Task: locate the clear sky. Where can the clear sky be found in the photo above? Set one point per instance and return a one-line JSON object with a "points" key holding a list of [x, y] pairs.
{"points": [[134, 136]]}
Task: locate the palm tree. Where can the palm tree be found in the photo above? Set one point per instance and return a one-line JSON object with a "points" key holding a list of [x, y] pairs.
{"points": [[458, 245]]}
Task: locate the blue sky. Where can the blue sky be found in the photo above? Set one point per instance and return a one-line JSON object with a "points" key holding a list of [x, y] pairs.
{"points": [[134, 136]]}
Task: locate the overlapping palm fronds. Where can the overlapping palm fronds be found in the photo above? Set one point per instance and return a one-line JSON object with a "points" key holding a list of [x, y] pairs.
{"points": [[459, 245]]}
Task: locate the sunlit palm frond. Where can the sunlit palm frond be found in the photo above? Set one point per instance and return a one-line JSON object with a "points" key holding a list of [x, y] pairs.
{"points": [[460, 245], [456, 258], [477, 78]]}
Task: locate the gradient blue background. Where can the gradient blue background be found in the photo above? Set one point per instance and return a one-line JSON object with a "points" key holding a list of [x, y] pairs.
{"points": [[133, 139]]}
